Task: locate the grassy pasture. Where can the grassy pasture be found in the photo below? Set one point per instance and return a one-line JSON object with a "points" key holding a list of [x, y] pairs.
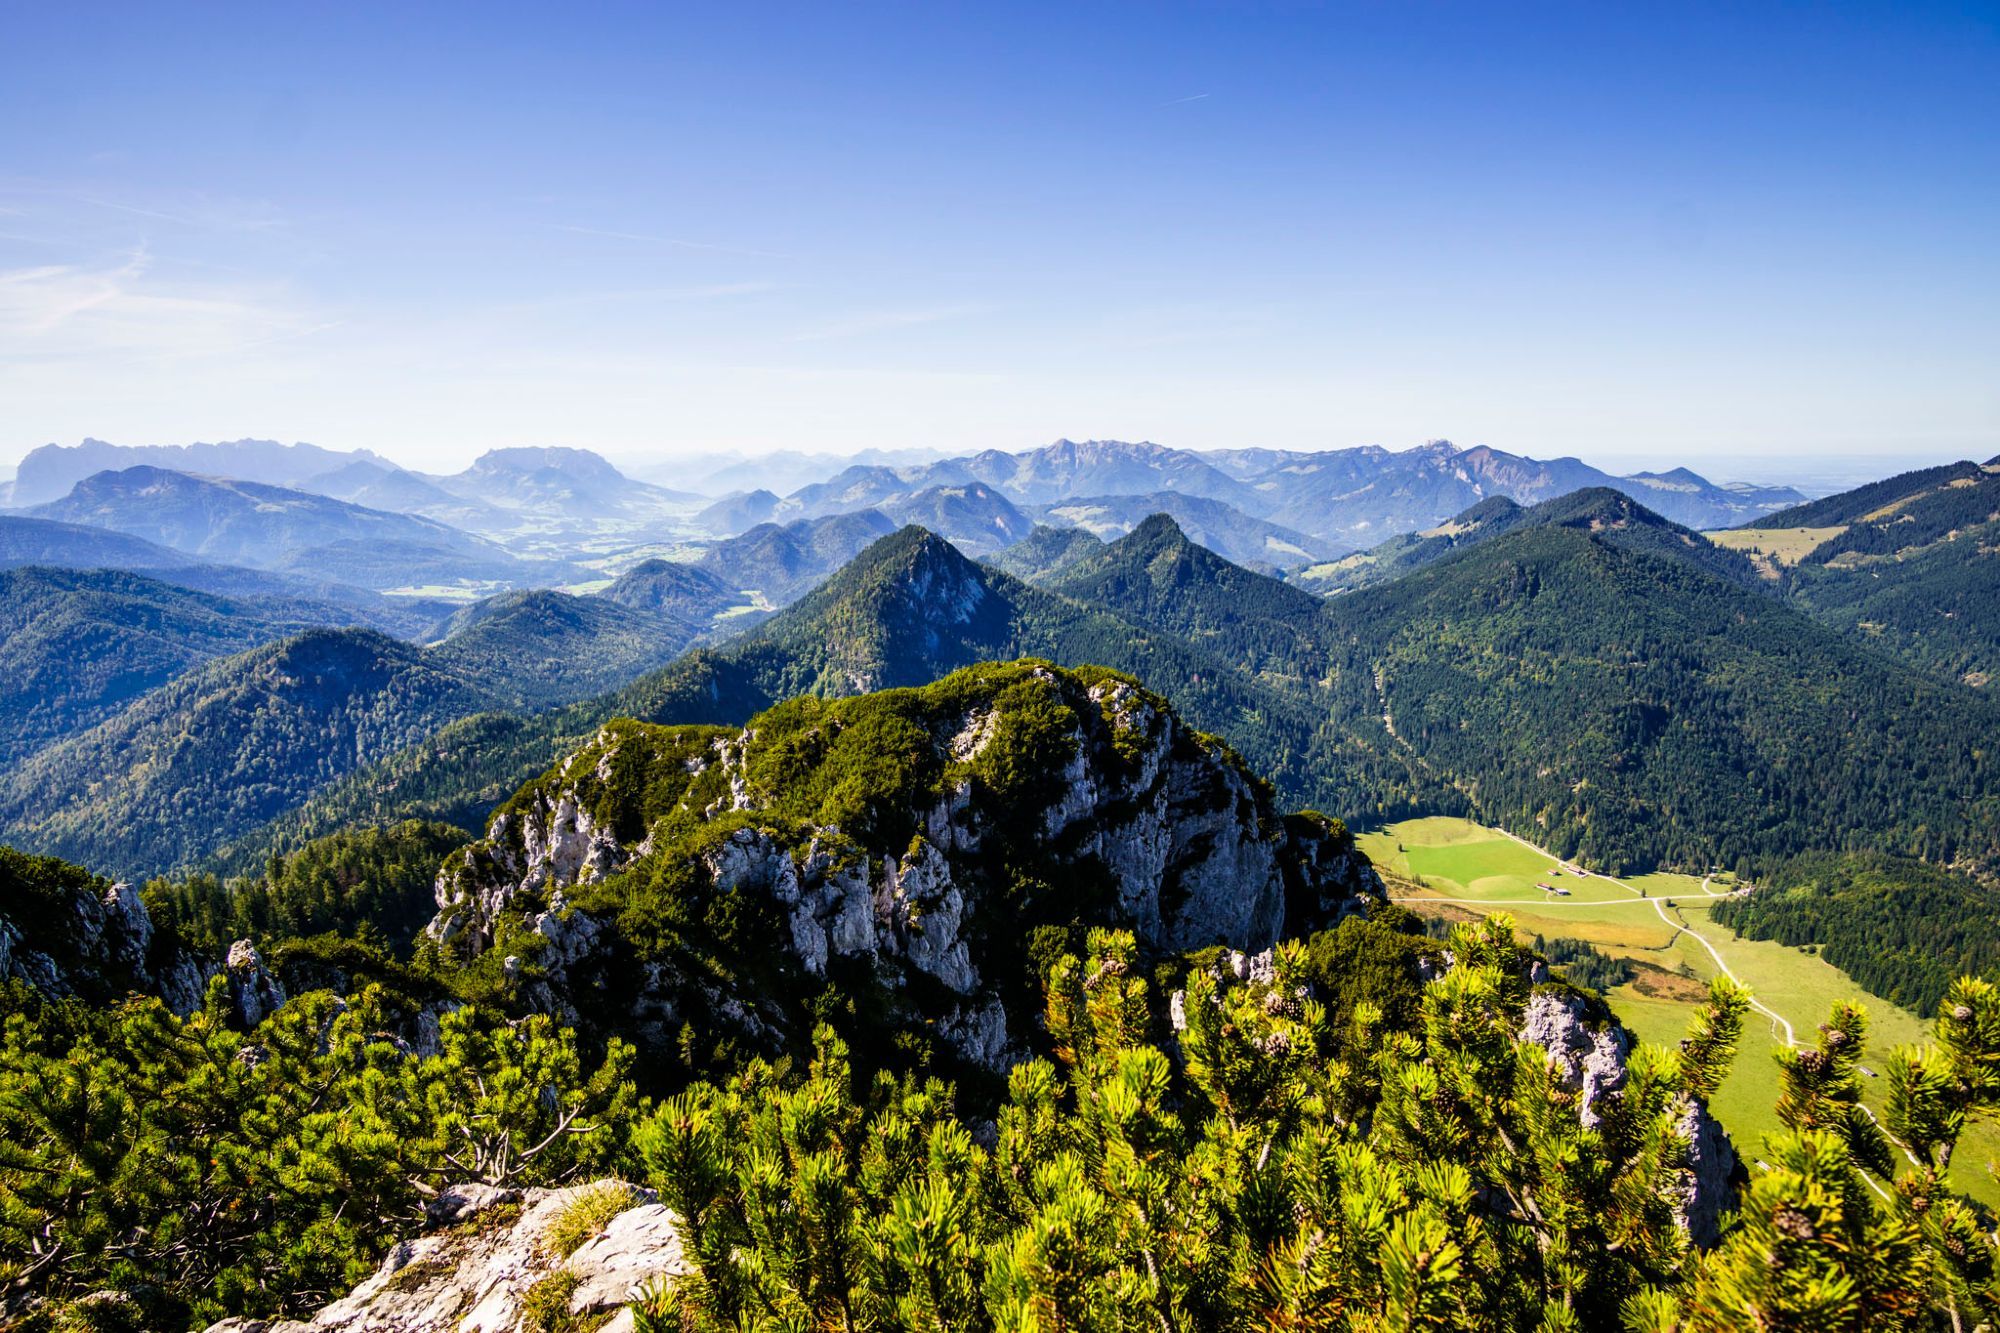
{"points": [[1787, 546], [1477, 869]]}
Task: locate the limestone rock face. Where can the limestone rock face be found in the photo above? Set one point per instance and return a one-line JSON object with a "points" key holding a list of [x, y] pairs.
{"points": [[1708, 1190], [256, 993], [477, 1276], [100, 946], [1131, 819], [1592, 1059]]}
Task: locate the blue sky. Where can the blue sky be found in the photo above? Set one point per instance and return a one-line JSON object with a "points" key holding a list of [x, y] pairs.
{"points": [[1744, 238]]}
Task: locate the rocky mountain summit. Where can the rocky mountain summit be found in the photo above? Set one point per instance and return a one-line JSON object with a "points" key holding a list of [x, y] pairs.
{"points": [[923, 848]]}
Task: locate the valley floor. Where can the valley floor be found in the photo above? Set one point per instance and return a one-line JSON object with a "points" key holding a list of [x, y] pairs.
{"points": [[1662, 923]]}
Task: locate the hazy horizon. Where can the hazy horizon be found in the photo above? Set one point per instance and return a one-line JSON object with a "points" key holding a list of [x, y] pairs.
{"points": [[1742, 241], [1828, 472]]}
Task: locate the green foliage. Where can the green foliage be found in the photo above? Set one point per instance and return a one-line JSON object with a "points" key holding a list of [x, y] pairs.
{"points": [[1584, 966], [212, 1172], [1285, 1176], [542, 647], [370, 883]]}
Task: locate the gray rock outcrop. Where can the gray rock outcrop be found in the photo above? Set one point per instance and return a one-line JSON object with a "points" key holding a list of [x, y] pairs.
{"points": [[100, 945], [484, 1273], [1591, 1058]]}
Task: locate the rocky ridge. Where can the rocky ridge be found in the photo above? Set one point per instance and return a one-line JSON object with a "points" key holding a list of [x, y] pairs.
{"points": [[916, 837]]}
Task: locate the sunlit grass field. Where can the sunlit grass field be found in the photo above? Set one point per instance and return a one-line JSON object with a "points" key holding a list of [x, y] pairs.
{"points": [[1787, 546], [1467, 867]]}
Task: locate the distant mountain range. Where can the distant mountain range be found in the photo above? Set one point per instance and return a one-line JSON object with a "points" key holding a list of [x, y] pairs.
{"points": [[222, 520], [1341, 498], [1274, 509], [1641, 667], [77, 546], [48, 473], [536, 500]]}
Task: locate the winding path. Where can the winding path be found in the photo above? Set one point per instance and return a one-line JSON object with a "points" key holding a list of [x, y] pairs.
{"points": [[1780, 1025]]}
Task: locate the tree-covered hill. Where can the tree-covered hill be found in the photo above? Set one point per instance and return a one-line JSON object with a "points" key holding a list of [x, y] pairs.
{"points": [[908, 610], [76, 646], [1604, 684], [1216, 524], [1909, 565], [781, 561], [1914, 522], [670, 587], [973, 517], [1640, 710], [1160, 577], [1612, 515], [1045, 552], [1852, 506], [227, 747], [540, 648]]}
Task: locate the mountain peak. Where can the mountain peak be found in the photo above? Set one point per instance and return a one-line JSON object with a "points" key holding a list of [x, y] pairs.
{"points": [[1157, 532], [577, 462]]}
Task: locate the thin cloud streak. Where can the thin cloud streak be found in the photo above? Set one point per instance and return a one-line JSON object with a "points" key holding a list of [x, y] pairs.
{"points": [[674, 241], [1183, 101]]}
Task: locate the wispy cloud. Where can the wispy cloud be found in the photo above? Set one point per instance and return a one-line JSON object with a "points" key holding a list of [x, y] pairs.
{"points": [[1183, 101], [884, 321], [675, 242], [122, 309]]}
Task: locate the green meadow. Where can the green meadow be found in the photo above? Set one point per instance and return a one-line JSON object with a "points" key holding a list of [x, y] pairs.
{"points": [[1460, 867]]}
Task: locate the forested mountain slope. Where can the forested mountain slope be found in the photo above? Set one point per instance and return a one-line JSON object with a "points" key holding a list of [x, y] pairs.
{"points": [[227, 747], [539, 648], [1610, 514], [1620, 689], [1045, 552], [76, 646], [780, 561], [1221, 527], [1852, 506], [1641, 710], [1907, 564]]}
